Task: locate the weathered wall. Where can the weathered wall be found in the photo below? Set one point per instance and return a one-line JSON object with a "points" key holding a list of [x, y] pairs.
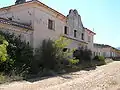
{"points": [[41, 30], [37, 16], [89, 39], [26, 35], [20, 13], [74, 22]]}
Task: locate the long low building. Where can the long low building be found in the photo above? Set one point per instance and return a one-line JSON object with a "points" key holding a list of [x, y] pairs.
{"points": [[106, 51]]}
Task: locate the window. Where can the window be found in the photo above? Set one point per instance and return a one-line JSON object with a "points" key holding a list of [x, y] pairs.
{"points": [[82, 36], [66, 30], [89, 39], [51, 24], [75, 33], [94, 53]]}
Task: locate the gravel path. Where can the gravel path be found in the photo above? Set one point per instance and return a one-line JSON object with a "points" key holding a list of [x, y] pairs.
{"points": [[105, 77]]}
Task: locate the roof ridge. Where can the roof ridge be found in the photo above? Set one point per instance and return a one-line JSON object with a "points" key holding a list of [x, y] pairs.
{"points": [[36, 2]]}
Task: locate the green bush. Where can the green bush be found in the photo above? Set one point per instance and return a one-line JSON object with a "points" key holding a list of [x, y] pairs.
{"points": [[99, 58], [82, 54], [5, 62], [20, 54], [50, 55], [3, 49], [46, 54], [73, 61], [2, 78]]}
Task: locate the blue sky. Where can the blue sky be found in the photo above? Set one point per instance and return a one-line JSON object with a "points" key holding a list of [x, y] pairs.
{"points": [[102, 15]]}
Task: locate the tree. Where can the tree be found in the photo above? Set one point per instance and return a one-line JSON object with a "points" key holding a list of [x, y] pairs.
{"points": [[3, 49]]}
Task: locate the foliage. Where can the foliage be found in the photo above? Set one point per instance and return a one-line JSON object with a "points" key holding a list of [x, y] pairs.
{"points": [[2, 78], [99, 58], [66, 56], [5, 62], [60, 44], [50, 55], [82, 54], [17, 56], [74, 61], [47, 54], [7, 65], [7, 78], [20, 54], [3, 50]]}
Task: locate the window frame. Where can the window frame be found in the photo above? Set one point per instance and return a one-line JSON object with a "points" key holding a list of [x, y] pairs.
{"points": [[75, 33], [82, 36], [66, 30], [51, 24]]}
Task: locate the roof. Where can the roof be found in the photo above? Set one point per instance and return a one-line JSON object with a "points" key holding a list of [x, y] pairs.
{"points": [[107, 46], [14, 23], [44, 5], [37, 2], [101, 45], [90, 31], [104, 46], [50, 8]]}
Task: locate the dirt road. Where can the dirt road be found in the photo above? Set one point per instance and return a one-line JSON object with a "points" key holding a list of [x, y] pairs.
{"points": [[105, 77]]}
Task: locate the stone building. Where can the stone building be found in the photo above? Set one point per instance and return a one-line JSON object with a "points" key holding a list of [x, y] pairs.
{"points": [[35, 21], [105, 50]]}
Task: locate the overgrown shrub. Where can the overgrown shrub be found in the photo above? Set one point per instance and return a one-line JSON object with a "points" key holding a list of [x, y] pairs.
{"points": [[82, 54], [2, 78], [3, 49], [46, 54], [63, 56], [20, 53], [73, 61], [50, 55], [5, 62], [99, 60]]}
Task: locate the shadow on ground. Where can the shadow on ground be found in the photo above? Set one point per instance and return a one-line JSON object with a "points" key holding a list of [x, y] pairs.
{"points": [[90, 68], [50, 74], [35, 78]]}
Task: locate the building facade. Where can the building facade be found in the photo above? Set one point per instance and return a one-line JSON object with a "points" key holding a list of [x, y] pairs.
{"points": [[35, 21], [106, 51], [45, 22]]}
